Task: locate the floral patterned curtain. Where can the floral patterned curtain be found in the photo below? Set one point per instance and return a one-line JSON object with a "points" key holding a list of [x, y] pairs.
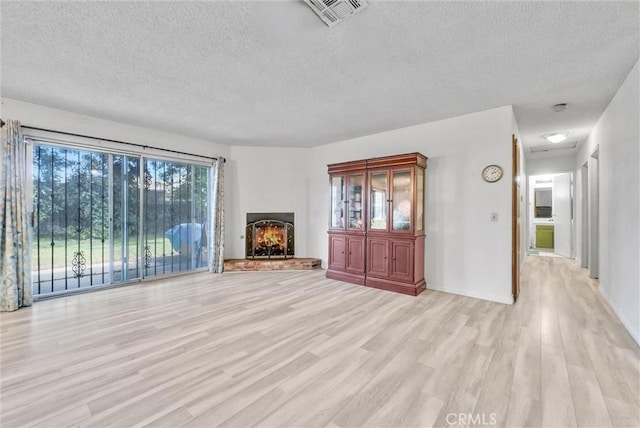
{"points": [[216, 243], [15, 238]]}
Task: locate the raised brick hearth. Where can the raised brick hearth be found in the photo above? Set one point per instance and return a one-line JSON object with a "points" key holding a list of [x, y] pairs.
{"points": [[235, 265]]}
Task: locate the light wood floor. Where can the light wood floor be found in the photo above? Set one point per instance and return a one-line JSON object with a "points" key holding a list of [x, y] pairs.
{"points": [[296, 349]]}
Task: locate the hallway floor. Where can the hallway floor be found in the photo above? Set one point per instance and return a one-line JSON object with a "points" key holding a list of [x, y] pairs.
{"points": [[575, 363], [296, 349]]}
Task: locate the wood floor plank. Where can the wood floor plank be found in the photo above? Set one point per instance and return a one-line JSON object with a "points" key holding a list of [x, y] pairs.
{"points": [[523, 411], [623, 414], [556, 401], [397, 411], [591, 409], [465, 392], [302, 403], [281, 349], [611, 381]]}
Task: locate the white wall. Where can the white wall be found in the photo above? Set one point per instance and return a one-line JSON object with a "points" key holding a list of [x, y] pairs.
{"points": [[551, 165], [60, 120], [617, 137], [266, 180], [465, 252]]}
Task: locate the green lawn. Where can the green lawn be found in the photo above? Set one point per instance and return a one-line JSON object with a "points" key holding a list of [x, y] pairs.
{"points": [[46, 251]]}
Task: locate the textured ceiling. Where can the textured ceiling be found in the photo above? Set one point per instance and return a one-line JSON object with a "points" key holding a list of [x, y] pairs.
{"points": [[272, 74]]}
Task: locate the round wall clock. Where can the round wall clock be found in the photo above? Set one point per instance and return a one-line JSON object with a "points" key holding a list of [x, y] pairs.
{"points": [[492, 173]]}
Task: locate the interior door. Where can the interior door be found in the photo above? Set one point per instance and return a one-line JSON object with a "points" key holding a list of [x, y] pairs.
{"points": [[515, 219], [562, 214]]}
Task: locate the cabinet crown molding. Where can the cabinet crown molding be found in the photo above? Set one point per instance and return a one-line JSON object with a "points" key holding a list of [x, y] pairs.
{"points": [[381, 162]]}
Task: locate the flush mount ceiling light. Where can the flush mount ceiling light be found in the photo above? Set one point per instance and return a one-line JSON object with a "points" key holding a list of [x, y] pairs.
{"points": [[559, 107], [334, 11], [557, 137]]}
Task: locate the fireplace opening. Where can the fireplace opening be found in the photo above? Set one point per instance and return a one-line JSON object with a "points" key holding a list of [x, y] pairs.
{"points": [[270, 235]]}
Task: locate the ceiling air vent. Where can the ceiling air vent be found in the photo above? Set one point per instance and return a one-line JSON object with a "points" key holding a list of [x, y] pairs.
{"points": [[334, 11]]}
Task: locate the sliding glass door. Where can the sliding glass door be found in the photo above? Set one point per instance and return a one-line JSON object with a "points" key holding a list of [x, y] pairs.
{"points": [[175, 226], [71, 219], [104, 218]]}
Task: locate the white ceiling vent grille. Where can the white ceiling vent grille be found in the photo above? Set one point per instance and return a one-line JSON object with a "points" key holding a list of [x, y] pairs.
{"points": [[553, 147], [334, 11]]}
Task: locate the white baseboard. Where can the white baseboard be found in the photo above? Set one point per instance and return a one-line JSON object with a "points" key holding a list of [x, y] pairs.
{"points": [[635, 334], [484, 296]]}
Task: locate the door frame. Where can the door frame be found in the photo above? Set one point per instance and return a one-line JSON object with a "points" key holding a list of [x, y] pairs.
{"points": [[515, 218], [570, 216], [594, 214], [584, 232]]}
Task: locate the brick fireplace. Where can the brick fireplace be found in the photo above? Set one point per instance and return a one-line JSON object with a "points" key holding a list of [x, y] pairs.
{"points": [[270, 236]]}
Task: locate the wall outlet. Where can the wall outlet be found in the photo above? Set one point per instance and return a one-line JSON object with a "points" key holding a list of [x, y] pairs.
{"points": [[494, 217]]}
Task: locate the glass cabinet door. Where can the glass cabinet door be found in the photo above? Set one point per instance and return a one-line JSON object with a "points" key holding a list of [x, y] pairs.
{"points": [[355, 189], [378, 201], [337, 202], [401, 204]]}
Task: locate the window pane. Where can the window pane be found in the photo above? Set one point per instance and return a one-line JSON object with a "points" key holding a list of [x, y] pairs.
{"points": [[71, 219], [126, 218]]}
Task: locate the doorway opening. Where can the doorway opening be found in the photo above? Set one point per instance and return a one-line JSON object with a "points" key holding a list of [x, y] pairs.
{"points": [[551, 218]]}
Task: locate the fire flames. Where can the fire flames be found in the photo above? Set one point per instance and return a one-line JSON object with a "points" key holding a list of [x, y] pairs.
{"points": [[270, 236]]}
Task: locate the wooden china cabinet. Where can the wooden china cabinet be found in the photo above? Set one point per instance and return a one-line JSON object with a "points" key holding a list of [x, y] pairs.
{"points": [[376, 223]]}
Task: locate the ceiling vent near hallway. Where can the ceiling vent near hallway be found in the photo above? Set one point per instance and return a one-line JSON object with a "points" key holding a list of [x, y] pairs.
{"points": [[559, 108], [334, 11], [553, 147]]}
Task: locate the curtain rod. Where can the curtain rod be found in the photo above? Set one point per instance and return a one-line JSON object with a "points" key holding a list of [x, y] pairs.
{"points": [[118, 141]]}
